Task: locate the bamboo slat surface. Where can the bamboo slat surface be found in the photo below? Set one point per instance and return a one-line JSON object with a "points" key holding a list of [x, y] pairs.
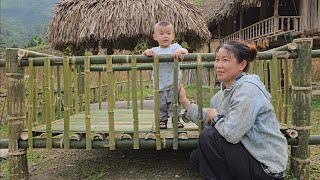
{"points": [[123, 123]]}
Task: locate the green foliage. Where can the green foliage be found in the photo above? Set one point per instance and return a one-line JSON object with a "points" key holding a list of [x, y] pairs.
{"points": [[4, 131], [21, 20], [141, 46]]}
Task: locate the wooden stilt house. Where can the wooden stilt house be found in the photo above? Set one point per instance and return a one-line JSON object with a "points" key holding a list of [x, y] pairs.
{"points": [[267, 23]]}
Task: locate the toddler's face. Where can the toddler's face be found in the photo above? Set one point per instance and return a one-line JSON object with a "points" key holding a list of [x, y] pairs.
{"points": [[164, 35]]}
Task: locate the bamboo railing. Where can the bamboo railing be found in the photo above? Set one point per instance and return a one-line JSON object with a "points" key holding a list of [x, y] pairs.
{"points": [[267, 66]]}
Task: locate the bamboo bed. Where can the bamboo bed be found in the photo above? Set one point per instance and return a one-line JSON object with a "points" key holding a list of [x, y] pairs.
{"points": [[123, 125]]}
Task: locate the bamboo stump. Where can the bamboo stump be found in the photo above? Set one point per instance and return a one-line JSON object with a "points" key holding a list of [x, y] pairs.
{"points": [[18, 165]]}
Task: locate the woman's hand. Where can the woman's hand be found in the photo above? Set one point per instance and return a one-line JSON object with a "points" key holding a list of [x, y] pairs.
{"points": [[210, 114], [183, 98]]}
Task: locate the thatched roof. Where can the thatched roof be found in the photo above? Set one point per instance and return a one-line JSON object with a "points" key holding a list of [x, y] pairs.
{"points": [[120, 24], [218, 10]]}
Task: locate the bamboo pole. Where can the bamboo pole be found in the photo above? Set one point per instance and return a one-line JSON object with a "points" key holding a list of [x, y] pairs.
{"points": [[279, 91], [111, 102], [16, 114], [80, 82], [67, 101], [31, 103], [47, 105], [148, 67], [251, 68], [301, 111], [212, 81], [127, 143], [274, 81], [2, 62], [156, 100], [87, 102], [266, 74], [31, 54], [184, 83], [175, 104], [286, 91], [100, 90], [59, 98], [199, 92], [135, 104], [52, 94], [76, 85], [141, 90], [42, 104], [128, 89], [261, 72], [120, 59], [35, 97]]}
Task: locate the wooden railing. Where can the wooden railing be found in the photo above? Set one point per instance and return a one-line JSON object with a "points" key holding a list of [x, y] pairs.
{"points": [[267, 28]]}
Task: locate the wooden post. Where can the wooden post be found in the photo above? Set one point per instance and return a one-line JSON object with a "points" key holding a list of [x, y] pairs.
{"points": [[314, 14], [303, 7], [241, 36], [18, 164], [301, 103], [263, 10], [276, 16]]}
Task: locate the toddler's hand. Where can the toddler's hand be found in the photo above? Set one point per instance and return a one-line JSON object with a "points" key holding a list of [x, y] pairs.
{"points": [[177, 54], [149, 52]]}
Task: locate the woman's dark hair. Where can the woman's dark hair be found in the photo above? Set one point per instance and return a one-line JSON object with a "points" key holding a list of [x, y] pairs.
{"points": [[241, 50]]}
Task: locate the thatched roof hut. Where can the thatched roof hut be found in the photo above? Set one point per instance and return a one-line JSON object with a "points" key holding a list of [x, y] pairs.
{"points": [[218, 10], [120, 24]]}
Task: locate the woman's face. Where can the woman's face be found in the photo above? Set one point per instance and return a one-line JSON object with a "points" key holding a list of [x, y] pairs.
{"points": [[227, 67]]}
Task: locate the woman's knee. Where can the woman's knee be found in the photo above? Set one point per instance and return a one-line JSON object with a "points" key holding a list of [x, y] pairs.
{"points": [[209, 136], [209, 133]]}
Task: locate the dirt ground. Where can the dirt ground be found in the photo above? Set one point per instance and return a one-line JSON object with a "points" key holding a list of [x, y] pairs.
{"points": [[106, 164]]}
